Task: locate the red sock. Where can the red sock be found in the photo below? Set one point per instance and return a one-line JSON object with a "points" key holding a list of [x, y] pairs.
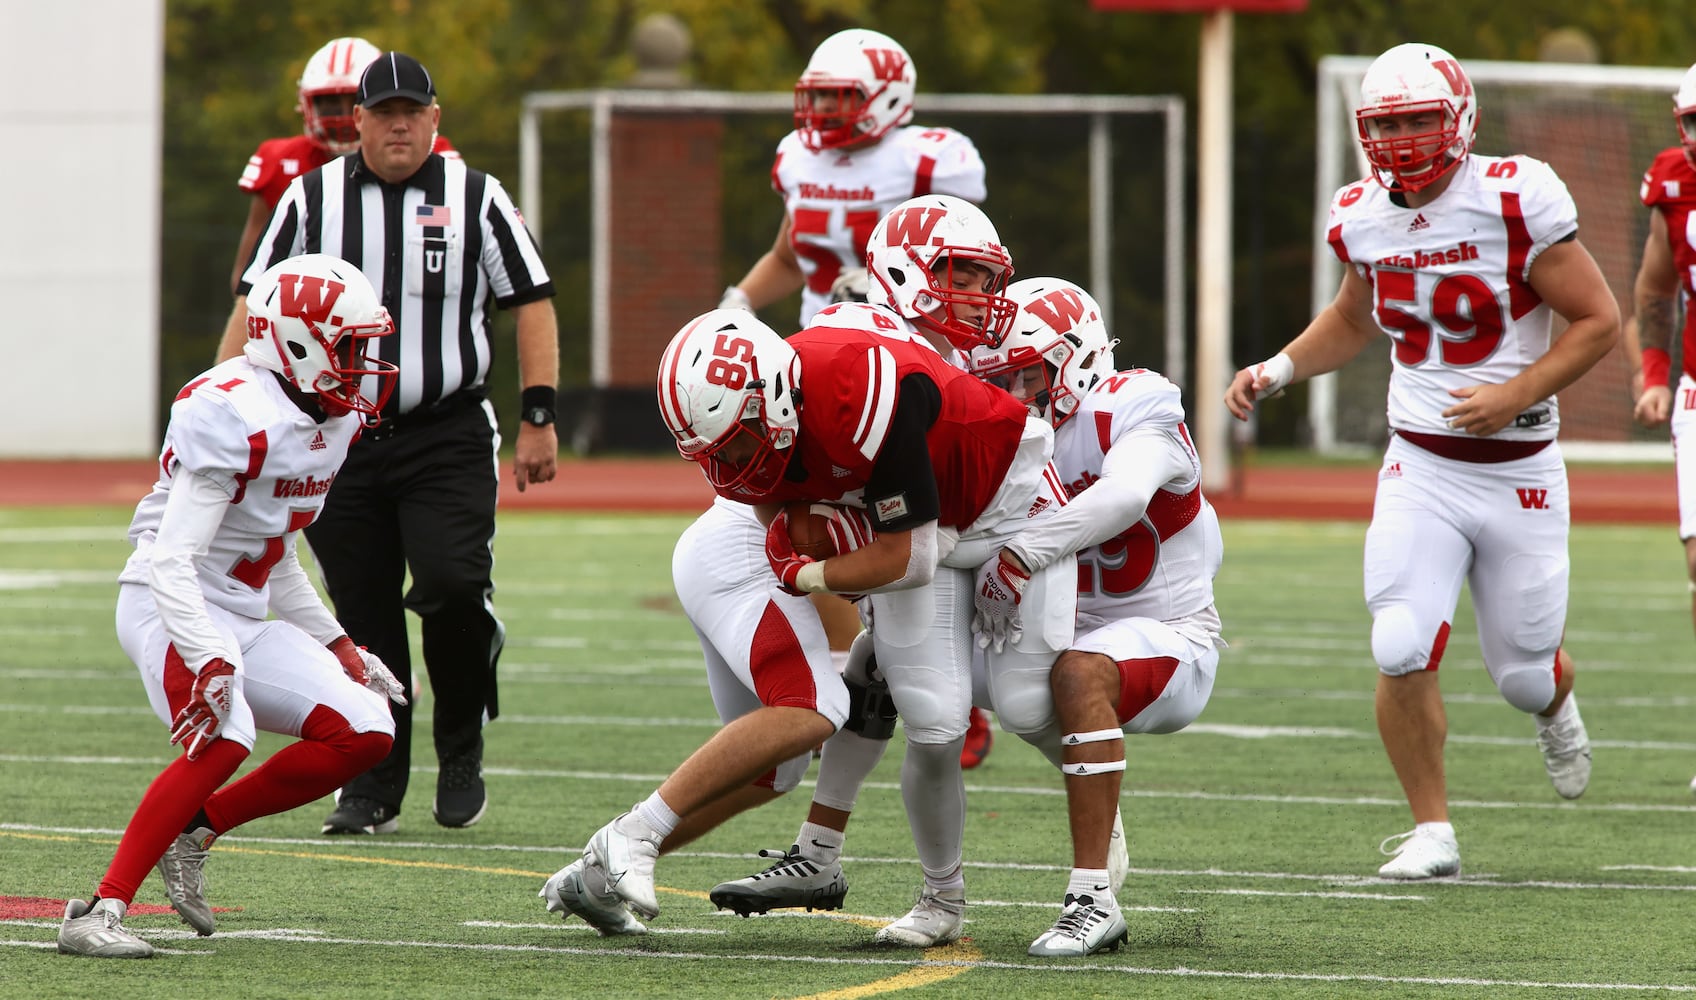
{"points": [[328, 755], [167, 806]]}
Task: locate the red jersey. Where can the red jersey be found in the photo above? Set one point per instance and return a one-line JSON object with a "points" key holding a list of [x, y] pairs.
{"points": [[850, 386], [278, 161], [1669, 187]]}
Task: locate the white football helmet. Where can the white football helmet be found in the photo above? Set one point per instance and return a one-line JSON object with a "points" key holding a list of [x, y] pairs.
{"points": [[310, 319], [328, 88], [858, 85], [1056, 353], [915, 254], [852, 285], [1684, 109], [1413, 79], [729, 391]]}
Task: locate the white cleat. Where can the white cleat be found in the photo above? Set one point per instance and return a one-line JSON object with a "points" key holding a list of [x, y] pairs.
{"points": [[1566, 749], [567, 893], [1420, 855], [936, 919], [1083, 929], [1118, 854], [183, 867], [792, 881], [624, 852], [98, 931]]}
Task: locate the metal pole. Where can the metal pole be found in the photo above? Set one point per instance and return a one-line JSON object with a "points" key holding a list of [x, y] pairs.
{"points": [[600, 243], [1213, 249]]}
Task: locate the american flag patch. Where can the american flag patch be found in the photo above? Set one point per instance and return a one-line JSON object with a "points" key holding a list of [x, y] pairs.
{"points": [[433, 215]]}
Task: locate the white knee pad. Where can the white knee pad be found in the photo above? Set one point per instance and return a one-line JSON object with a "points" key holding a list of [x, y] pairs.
{"points": [[1396, 643], [1526, 687]]}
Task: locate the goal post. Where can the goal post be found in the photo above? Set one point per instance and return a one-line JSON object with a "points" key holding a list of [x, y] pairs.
{"points": [[1108, 173], [1599, 127]]}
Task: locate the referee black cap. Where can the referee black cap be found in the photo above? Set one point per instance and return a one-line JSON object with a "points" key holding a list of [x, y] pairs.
{"points": [[396, 74]]}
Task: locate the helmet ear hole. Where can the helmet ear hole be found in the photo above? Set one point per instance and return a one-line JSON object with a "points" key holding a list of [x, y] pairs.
{"points": [[298, 350]]}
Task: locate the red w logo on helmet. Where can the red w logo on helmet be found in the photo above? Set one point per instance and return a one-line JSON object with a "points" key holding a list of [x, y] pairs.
{"points": [[1060, 309], [888, 65], [1456, 76], [913, 225], [308, 296]]}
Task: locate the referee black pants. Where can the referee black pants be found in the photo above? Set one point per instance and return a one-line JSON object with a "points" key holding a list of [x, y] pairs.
{"points": [[419, 496]]}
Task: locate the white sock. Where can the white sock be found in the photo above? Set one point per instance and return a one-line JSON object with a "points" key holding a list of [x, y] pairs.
{"points": [[820, 844], [1092, 882], [954, 882], [657, 815]]}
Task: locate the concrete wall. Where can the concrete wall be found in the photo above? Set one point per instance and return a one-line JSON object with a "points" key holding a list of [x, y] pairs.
{"points": [[81, 108]]}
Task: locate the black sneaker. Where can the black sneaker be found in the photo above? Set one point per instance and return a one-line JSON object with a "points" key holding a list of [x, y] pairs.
{"points": [[460, 796], [357, 814]]}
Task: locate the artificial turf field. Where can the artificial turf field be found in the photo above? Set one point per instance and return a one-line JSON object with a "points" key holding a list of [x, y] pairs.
{"points": [[1253, 834]]}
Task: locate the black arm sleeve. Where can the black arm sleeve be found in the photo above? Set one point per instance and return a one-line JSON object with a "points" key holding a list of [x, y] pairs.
{"points": [[903, 484]]}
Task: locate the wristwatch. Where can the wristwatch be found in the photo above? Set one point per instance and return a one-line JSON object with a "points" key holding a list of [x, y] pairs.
{"points": [[538, 416]]}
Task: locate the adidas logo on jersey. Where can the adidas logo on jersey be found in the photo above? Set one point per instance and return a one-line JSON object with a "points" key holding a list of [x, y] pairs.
{"points": [[1418, 223], [1038, 507], [318, 442]]}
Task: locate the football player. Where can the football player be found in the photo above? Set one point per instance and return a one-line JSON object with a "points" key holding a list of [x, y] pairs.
{"points": [[1461, 260], [250, 452], [1147, 545], [852, 157], [1669, 267], [946, 468], [326, 93]]}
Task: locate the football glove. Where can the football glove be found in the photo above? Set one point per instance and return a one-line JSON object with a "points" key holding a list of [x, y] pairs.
{"points": [[785, 561], [735, 298], [849, 528], [368, 670], [208, 708], [1001, 585]]}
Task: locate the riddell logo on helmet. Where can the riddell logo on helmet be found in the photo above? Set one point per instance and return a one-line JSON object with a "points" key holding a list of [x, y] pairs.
{"points": [[1464, 251], [308, 296], [888, 65]]}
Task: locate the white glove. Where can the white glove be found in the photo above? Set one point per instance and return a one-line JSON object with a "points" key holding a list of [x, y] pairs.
{"points": [[735, 298], [1001, 585], [368, 670], [1277, 371], [210, 699]]}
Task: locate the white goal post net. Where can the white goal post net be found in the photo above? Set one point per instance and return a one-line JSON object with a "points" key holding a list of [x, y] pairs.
{"points": [[1117, 166], [1599, 127]]}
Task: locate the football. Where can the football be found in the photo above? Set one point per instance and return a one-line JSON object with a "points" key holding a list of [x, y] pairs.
{"points": [[808, 532]]}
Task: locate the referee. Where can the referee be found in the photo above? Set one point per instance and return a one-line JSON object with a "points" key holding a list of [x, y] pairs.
{"points": [[440, 243]]}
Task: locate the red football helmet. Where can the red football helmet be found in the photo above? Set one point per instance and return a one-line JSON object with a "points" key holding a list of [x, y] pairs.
{"points": [[1406, 82], [328, 89], [858, 85], [310, 319], [1684, 109], [729, 391]]}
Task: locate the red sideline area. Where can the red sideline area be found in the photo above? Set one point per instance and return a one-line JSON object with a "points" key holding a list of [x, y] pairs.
{"points": [[668, 484]]}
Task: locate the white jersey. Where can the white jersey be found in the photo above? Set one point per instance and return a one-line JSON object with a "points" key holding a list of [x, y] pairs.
{"points": [[237, 427], [1451, 285], [1130, 469], [834, 198]]}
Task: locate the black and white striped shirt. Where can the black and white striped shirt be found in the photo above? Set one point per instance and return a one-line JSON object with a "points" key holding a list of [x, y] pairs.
{"points": [[436, 247]]}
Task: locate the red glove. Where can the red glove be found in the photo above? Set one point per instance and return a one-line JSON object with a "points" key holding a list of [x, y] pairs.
{"points": [[368, 670], [208, 708], [780, 552], [849, 528]]}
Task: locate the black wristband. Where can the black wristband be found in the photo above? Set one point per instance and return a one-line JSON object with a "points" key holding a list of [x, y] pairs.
{"points": [[538, 395]]}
